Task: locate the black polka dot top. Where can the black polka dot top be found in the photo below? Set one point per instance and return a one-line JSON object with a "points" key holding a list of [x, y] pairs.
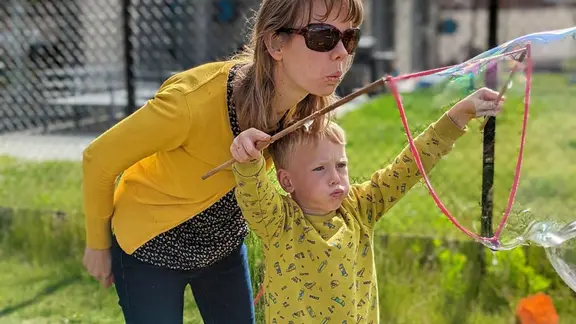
{"points": [[209, 236]]}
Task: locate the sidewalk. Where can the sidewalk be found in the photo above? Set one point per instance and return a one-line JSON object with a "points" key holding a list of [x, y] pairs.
{"points": [[44, 147], [70, 147]]}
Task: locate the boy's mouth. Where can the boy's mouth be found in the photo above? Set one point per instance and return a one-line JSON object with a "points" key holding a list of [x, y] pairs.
{"points": [[337, 193]]}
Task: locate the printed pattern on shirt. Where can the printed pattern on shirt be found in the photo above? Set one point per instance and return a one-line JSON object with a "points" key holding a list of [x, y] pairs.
{"points": [[330, 262], [207, 237], [387, 186], [320, 269]]}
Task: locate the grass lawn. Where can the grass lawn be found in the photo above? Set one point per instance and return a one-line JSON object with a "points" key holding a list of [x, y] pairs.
{"points": [[376, 136], [421, 280], [36, 294]]}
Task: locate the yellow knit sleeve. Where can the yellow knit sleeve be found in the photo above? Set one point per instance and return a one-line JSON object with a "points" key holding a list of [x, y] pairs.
{"points": [[162, 124], [262, 206], [387, 186]]}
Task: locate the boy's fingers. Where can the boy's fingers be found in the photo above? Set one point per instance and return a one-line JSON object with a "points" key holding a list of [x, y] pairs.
{"points": [[253, 151], [488, 94], [238, 152], [261, 136], [488, 108], [262, 144], [242, 155], [235, 155], [250, 144], [247, 144], [235, 149], [245, 147], [250, 152]]}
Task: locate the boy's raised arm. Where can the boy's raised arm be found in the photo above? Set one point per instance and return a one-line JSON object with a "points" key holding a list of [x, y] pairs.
{"points": [[261, 204], [386, 186]]}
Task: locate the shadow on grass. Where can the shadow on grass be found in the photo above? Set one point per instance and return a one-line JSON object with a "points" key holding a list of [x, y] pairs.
{"points": [[48, 290]]}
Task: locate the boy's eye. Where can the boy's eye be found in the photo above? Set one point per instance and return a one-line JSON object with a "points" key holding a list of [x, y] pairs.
{"points": [[342, 165], [320, 168]]}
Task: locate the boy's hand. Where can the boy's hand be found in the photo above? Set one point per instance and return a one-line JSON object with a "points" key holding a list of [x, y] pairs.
{"points": [[480, 103], [244, 147]]}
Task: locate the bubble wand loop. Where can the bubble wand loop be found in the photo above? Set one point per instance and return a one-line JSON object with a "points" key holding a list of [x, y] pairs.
{"points": [[491, 242]]}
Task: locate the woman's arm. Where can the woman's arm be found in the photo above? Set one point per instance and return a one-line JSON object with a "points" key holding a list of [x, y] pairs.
{"points": [[162, 124]]}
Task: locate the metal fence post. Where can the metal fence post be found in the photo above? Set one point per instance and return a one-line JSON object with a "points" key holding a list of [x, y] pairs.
{"points": [[489, 140], [128, 58]]}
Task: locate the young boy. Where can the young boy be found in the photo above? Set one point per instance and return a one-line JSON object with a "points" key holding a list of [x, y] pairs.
{"points": [[318, 240]]}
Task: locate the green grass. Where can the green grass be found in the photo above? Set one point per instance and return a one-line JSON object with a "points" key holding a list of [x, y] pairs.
{"points": [[52, 185], [421, 280], [30, 293], [376, 136]]}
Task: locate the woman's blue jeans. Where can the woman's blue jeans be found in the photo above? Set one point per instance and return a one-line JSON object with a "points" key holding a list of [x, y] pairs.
{"points": [[152, 294]]}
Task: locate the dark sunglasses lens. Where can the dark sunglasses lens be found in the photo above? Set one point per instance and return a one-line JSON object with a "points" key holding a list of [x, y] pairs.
{"points": [[350, 39], [322, 38]]}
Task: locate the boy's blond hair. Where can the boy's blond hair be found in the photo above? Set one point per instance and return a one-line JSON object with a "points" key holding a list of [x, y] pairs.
{"points": [[285, 148]]}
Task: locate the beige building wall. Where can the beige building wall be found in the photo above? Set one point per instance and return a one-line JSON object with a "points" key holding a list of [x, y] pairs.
{"points": [[512, 23]]}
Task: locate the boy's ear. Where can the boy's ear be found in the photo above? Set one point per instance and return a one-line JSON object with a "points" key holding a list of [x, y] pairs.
{"points": [[284, 180]]}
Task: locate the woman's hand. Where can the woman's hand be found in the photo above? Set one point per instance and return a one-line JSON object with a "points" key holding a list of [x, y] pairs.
{"points": [[99, 265], [480, 103], [245, 147]]}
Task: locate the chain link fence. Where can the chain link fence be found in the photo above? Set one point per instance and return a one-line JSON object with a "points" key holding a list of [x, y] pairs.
{"points": [[70, 69], [91, 62]]}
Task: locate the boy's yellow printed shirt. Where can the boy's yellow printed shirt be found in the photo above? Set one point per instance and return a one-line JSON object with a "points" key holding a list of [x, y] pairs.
{"points": [[321, 269]]}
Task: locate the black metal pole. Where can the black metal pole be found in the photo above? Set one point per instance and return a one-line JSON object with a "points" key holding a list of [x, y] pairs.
{"points": [[128, 58], [489, 130]]}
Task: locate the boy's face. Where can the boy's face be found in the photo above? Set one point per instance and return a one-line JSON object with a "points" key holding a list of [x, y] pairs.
{"points": [[317, 177]]}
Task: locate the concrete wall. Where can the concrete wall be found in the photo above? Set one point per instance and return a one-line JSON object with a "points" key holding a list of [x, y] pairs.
{"points": [[403, 35], [453, 48], [513, 23]]}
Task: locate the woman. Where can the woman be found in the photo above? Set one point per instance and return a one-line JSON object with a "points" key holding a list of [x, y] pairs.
{"points": [[164, 228]]}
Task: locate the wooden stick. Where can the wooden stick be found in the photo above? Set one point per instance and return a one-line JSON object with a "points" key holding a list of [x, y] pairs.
{"points": [[506, 85], [262, 145]]}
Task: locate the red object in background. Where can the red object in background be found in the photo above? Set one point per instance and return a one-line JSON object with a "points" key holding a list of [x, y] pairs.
{"points": [[536, 309]]}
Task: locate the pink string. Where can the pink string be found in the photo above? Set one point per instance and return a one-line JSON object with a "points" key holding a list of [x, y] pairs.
{"points": [[527, 95], [396, 94], [259, 295], [394, 89], [494, 239]]}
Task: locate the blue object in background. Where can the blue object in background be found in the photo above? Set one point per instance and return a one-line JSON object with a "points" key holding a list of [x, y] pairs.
{"points": [[447, 26], [226, 11]]}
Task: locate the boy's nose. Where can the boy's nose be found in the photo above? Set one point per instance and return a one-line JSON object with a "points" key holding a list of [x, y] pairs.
{"points": [[334, 178]]}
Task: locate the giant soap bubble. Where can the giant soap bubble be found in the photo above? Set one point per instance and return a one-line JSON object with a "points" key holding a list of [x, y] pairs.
{"points": [[523, 171]]}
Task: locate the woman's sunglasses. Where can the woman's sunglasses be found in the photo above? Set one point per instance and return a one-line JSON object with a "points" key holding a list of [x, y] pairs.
{"points": [[321, 37]]}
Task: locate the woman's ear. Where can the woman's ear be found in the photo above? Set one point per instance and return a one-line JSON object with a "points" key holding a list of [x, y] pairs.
{"points": [[274, 43], [285, 181]]}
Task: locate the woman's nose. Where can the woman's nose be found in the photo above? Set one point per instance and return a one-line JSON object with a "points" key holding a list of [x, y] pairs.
{"points": [[339, 52]]}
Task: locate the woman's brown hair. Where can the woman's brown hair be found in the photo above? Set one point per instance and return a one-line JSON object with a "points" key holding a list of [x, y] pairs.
{"points": [[255, 88]]}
